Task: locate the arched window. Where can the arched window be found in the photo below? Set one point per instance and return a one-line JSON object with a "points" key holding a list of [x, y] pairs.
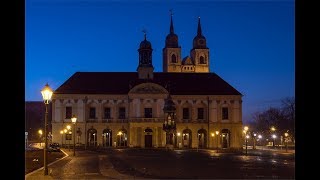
{"points": [[202, 60], [173, 58]]}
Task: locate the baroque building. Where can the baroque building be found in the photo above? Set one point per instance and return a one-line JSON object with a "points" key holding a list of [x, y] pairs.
{"points": [[125, 109]]}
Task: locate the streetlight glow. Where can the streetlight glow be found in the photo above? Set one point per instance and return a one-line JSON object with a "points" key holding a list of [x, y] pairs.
{"points": [[273, 128], [217, 132], [259, 136], [286, 134], [212, 134], [247, 136], [246, 128], [61, 132], [40, 131], [68, 127], [178, 134], [274, 136]]}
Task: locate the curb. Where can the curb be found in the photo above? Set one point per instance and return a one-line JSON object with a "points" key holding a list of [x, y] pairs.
{"points": [[33, 172]]}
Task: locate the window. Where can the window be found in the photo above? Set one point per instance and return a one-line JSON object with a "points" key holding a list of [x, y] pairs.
{"points": [[107, 113], [148, 112], [224, 113], [68, 112], [122, 113], [92, 113], [173, 58], [200, 113], [185, 113], [202, 60]]}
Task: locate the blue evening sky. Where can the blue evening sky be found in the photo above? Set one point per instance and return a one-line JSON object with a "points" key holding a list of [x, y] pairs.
{"points": [[251, 42]]}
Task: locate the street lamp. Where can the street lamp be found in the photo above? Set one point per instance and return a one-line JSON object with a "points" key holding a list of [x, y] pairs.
{"points": [[254, 140], [178, 134], [120, 134], [74, 120], [247, 137], [286, 140], [40, 134], [274, 137], [68, 128], [217, 133], [46, 95], [61, 132]]}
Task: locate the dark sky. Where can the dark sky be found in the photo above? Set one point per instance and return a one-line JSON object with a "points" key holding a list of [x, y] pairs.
{"points": [[251, 42]]}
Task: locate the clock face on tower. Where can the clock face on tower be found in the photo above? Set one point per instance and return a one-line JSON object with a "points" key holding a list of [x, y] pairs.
{"points": [[201, 41]]}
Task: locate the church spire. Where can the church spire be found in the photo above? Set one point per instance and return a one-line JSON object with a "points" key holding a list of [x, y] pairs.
{"points": [[171, 23], [199, 33]]}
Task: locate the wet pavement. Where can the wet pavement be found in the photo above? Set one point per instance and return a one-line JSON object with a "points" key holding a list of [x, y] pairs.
{"points": [[166, 164]]}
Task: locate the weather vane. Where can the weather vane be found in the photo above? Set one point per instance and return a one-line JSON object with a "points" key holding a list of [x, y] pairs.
{"points": [[145, 33], [171, 12]]}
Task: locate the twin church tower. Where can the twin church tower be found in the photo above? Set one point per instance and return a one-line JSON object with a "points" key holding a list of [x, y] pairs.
{"points": [[198, 62]]}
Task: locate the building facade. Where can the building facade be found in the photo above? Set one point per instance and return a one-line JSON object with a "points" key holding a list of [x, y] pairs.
{"points": [[125, 109]]}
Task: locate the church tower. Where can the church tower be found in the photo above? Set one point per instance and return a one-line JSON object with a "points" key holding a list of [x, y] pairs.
{"points": [[200, 52], [171, 52], [145, 68]]}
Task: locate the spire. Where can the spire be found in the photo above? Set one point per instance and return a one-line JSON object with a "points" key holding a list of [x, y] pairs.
{"points": [[145, 34], [199, 33], [171, 23]]}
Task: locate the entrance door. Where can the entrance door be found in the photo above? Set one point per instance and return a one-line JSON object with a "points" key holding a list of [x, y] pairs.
{"points": [[148, 141]]}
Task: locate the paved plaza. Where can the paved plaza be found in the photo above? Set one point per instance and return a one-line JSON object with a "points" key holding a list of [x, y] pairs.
{"points": [[166, 164]]}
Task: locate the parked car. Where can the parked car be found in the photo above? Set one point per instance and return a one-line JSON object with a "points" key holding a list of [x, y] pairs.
{"points": [[54, 147]]}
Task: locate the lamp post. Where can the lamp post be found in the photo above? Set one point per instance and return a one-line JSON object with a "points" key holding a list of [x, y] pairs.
{"points": [[61, 132], [259, 138], [74, 120], [247, 137], [212, 135], [178, 134], [169, 125], [273, 129], [46, 95], [245, 130], [69, 132], [254, 140], [286, 140], [217, 133], [274, 137], [40, 134]]}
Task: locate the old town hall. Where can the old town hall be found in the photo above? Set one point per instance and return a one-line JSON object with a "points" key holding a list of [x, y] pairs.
{"points": [[126, 109]]}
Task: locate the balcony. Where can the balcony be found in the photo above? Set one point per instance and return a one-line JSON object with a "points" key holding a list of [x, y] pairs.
{"points": [[92, 120], [138, 119]]}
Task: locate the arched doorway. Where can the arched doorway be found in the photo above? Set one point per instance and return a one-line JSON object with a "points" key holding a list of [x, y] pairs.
{"points": [[186, 138], [122, 138], [107, 138], [148, 138], [225, 138], [92, 137], [202, 138]]}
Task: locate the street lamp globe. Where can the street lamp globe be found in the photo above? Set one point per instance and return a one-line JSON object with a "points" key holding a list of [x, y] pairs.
{"points": [[217, 132], [178, 134], [73, 119], [259, 136], [246, 128], [65, 131], [286, 134], [46, 94], [274, 136], [212, 134], [68, 127], [273, 128], [247, 136], [61, 132], [40, 131]]}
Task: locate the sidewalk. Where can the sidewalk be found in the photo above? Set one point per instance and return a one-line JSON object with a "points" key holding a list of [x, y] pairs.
{"points": [[39, 173]]}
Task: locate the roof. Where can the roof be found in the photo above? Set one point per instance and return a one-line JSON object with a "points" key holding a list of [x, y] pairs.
{"points": [[122, 82]]}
